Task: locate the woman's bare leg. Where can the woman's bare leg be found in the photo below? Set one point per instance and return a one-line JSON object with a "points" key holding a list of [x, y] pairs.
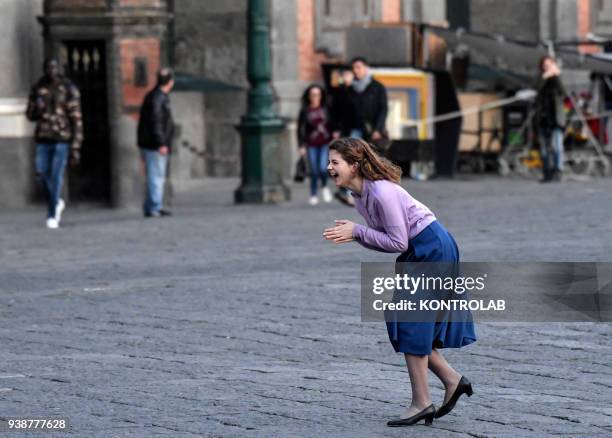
{"points": [[449, 377], [417, 368]]}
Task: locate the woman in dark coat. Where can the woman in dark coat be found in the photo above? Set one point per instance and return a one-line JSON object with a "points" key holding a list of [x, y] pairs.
{"points": [[314, 135], [550, 119]]}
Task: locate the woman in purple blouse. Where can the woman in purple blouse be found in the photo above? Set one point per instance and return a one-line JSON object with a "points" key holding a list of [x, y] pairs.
{"points": [[396, 222]]}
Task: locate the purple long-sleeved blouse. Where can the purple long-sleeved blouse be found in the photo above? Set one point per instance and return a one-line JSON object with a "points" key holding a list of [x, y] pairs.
{"points": [[393, 216]]}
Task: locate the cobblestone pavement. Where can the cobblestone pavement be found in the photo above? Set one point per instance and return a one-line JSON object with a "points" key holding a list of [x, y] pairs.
{"points": [[242, 321]]}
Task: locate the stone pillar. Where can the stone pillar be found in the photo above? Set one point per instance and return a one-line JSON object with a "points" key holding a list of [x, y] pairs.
{"points": [[601, 17], [260, 129], [285, 75], [558, 20], [21, 65]]}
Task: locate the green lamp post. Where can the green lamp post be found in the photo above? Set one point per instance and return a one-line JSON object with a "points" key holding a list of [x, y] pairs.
{"points": [[260, 128]]}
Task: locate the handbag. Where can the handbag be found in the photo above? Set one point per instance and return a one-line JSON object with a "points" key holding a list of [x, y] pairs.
{"points": [[300, 170]]}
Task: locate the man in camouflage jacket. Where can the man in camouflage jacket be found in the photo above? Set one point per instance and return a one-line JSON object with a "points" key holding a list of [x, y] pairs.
{"points": [[54, 104]]}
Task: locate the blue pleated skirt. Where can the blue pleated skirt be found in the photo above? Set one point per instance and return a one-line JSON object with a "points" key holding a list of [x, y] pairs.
{"points": [[433, 244]]}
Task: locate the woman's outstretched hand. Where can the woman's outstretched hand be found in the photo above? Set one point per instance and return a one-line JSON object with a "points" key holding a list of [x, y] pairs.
{"points": [[341, 233]]}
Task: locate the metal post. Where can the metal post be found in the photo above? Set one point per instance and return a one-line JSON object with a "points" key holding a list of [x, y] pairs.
{"points": [[260, 128]]}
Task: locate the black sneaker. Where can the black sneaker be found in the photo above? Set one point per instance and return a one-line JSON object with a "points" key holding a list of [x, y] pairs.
{"points": [[557, 176], [165, 213], [547, 177]]}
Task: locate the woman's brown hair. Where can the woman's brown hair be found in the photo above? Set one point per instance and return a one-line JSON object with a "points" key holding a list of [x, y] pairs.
{"points": [[543, 59], [371, 165]]}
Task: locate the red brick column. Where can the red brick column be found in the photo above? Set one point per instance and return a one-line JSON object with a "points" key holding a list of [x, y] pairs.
{"points": [[391, 11], [309, 60], [584, 24], [129, 50]]}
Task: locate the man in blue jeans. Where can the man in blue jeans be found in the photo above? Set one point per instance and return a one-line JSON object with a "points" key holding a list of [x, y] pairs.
{"points": [[155, 129], [550, 119], [54, 104], [360, 110]]}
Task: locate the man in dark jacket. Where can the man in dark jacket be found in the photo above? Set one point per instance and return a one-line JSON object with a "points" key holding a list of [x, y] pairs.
{"points": [[370, 100], [344, 120], [155, 129], [550, 119], [364, 103], [343, 113], [55, 105]]}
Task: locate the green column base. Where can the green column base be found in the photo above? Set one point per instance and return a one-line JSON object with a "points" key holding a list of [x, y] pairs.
{"points": [[262, 194], [262, 181]]}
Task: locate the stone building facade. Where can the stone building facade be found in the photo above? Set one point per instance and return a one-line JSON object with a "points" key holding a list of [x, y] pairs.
{"points": [[21, 55], [207, 40]]}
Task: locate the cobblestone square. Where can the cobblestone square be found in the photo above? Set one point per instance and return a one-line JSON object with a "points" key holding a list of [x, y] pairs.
{"points": [[228, 320]]}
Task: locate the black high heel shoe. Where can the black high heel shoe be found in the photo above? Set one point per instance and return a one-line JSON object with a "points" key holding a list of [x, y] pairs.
{"points": [[426, 414], [464, 387]]}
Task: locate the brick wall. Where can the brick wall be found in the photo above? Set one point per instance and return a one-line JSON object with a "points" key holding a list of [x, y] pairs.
{"points": [[131, 48], [309, 60], [584, 24], [391, 11]]}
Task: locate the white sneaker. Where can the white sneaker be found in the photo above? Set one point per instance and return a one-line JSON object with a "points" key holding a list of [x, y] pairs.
{"points": [[59, 208], [327, 195], [52, 223], [313, 200]]}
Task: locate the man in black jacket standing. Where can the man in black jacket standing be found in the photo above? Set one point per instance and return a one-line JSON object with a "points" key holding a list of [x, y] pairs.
{"points": [[155, 129], [361, 108], [370, 100]]}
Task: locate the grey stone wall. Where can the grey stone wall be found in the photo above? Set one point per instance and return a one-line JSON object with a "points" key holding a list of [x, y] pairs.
{"points": [[517, 19], [566, 20], [601, 17], [211, 41], [367, 41], [529, 20], [558, 19], [20, 63], [16, 172], [285, 73], [127, 177], [285, 56], [188, 114], [333, 17], [21, 46], [424, 11]]}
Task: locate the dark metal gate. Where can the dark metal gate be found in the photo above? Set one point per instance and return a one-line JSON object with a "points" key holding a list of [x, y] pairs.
{"points": [[84, 63]]}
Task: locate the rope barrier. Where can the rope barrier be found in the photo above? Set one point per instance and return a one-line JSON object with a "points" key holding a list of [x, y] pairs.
{"points": [[456, 114], [226, 159], [494, 105]]}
